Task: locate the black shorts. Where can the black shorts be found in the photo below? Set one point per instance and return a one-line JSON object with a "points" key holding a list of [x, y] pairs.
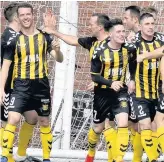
{"points": [[132, 116], [4, 107], [108, 101], [144, 108], [160, 107], [110, 116], [31, 95]]}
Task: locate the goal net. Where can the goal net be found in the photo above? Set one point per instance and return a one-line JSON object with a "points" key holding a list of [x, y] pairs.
{"points": [[71, 102]]}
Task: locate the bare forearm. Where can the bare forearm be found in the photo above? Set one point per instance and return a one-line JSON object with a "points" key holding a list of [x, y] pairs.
{"points": [[69, 39], [155, 54]]}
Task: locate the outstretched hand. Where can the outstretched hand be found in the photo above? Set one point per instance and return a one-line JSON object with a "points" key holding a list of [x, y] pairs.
{"points": [[49, 19], [56, 45]]}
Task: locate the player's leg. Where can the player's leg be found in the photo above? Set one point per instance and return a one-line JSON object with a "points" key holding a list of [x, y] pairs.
{"points": [[4, 115], [93, 139], [160, 128], [25, 134], [100, 111], [46, 137], [43, 108], [142, 110], [159, 119], [16, 106], [121, 111], [132, 120], [3, 123], [135, 137], [110, 134], [137, 145], [131, 126], [156, 145], [18, 102]]}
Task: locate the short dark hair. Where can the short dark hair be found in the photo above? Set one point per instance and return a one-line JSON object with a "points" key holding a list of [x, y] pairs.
{"points": [[115, 22], [134, 10], [10, 11], [149, 9], [25, 5], [102, 19], [145, 15]]}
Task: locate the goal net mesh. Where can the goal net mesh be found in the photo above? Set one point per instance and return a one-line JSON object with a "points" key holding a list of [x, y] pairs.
{"points": [[82, 99]]}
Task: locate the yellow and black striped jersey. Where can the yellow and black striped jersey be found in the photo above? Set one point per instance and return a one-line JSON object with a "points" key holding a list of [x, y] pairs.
{"points": [[90, 43], [30, 55], [147, 72], [110, 63]]}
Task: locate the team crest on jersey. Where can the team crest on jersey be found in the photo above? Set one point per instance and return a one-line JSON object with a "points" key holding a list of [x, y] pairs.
{"points": [[45, 107], [124, 104], [45, 104]]}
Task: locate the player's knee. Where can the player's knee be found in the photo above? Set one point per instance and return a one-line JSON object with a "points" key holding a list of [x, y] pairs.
{"points": [[14, 118], [33, 119], [145, 124], [135, 126], [109, 124], [44, 121], [98, 128], [122, 123], [153, 126]]}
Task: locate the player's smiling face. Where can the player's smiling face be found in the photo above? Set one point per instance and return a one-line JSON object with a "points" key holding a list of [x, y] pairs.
{"points": [[26, 17], [148, 26], [118, 34]]}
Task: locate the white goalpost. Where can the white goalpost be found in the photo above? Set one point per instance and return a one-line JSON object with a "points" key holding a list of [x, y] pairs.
{"points": [[72, 104], [64, 77]]}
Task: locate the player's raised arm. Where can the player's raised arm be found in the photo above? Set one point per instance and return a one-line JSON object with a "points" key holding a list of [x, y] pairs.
{"points": [[50, 22], [69, 39]]}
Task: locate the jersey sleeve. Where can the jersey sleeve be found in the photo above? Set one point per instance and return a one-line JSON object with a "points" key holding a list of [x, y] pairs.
{"points": [[96, 64], [49, 40], [160, 37], [87, 42], [132, 50], [96, 68], [9, 49]]}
